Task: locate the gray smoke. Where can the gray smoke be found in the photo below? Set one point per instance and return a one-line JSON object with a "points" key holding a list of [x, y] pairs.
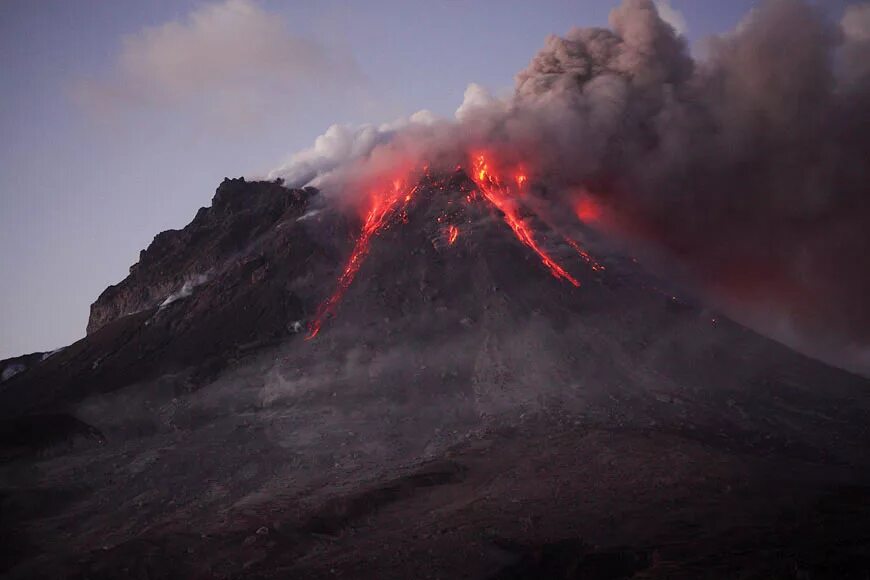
{"points": [[749, 166]]}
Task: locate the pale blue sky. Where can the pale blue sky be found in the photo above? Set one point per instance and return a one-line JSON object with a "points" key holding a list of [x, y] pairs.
{"points": [[95, 161]]}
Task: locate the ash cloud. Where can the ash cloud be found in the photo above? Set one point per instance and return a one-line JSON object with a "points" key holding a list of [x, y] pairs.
{"points": [[748, 167]]}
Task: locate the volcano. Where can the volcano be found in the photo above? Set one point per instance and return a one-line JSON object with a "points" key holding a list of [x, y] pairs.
{"points": [[447, 385]]}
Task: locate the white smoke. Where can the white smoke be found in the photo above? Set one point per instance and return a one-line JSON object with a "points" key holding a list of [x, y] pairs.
{"points": [[340, 145], [476, 101], [672, 16], [11, 370], [185, 291]]}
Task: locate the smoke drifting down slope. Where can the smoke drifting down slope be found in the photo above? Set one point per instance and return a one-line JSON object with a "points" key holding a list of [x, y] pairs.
{"points": [[748, 166]]}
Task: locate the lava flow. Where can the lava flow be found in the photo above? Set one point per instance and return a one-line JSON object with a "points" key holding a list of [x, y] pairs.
{"points": [[498, 194], [384, 204], [452, 234], [587, 257], [393, 201]]}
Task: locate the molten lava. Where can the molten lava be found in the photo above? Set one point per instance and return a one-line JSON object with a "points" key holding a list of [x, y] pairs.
{"points": [[587, 257], [499, 194], [452, 234], [390, 205], [384, 204]]}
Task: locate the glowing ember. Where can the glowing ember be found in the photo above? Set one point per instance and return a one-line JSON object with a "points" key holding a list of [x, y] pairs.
{"points": [[498, 194], [452, 234], [587, 257], [384, 204]]}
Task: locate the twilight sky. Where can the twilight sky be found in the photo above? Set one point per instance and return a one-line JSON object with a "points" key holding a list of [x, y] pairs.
{"points": [[119, 119]]}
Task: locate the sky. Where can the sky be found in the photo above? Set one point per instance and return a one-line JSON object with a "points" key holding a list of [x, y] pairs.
{"points": [[119, 119]]}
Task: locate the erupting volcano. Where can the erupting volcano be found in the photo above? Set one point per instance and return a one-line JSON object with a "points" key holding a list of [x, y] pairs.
{"points": [[379, 362], [386, 207]]}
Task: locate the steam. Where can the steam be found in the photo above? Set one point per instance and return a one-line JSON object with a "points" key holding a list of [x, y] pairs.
{"points": [[672, 16], [186, 290], [341, 144], [748, 167], [477, 100], [11, 370]]}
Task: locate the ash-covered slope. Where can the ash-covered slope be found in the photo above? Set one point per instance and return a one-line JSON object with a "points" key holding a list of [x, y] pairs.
{"points": [[462, 412]]}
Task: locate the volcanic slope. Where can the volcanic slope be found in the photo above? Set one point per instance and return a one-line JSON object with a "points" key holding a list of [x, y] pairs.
{"points": [[460, 411]]}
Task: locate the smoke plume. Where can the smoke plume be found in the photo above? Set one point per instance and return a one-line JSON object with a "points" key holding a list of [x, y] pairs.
{"points": [[748, 167]]}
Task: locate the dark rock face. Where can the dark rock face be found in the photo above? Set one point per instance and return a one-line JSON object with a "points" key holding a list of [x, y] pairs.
{"points": [[241, 212], [464, 414], [231, 282], [18, 364], [11, 367]]}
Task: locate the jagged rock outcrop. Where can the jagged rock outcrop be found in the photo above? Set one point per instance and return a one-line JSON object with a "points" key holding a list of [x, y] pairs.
{"points": [[240, 213], [237, 278]]}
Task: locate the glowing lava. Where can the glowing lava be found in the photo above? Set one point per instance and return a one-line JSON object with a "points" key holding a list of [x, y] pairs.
{"points": [[390, 205], [499, 195], [384, 204], [587, 257], [452, 234]]}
